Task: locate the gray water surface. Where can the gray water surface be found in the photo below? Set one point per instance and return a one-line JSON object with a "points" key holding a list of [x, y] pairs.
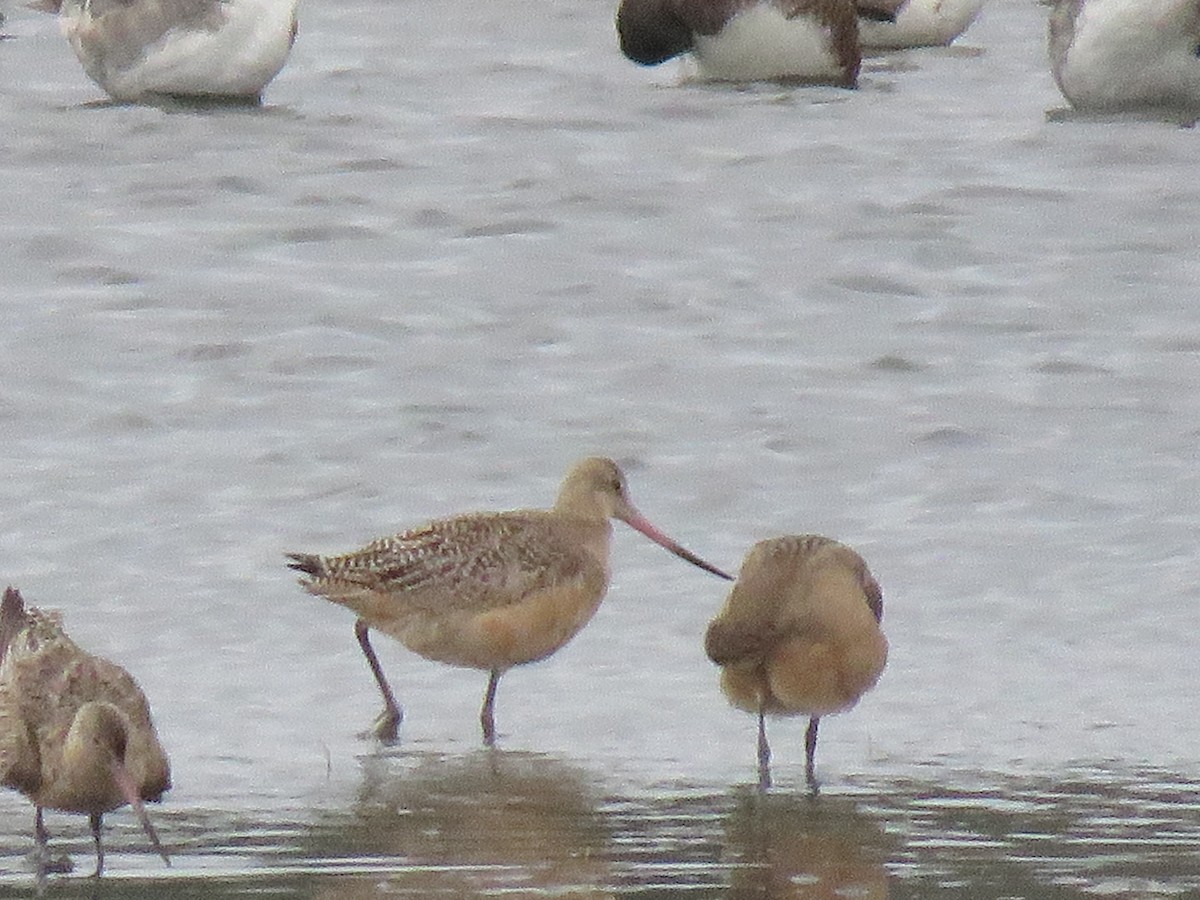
{"points": [[464, 244]]}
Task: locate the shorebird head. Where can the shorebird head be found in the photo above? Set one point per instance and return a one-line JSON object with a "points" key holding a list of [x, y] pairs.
{"points": [[598, 484], [96, 750]]}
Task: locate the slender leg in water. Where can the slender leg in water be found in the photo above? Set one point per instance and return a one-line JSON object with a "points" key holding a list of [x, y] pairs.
{"points": [[42, 852], [764, 753], [39, 831], [486, 719], [810, 751], [94, 821], [389, 720]]}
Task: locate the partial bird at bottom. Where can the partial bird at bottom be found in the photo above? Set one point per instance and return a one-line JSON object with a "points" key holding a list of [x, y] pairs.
{"points": [[75, 729]]}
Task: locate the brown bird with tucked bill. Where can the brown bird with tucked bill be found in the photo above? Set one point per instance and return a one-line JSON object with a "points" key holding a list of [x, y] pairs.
{"points": [[75, 729], [799, 635], [487, 591]]}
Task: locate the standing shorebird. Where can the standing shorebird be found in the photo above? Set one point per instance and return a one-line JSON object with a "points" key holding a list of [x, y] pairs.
{"points": [[147, 50], [799, 635], [75, 729], [486, 590], [1120, 55], [807, 41]]}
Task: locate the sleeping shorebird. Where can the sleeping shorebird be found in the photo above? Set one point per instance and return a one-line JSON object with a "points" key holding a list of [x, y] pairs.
{"points": [[920, 23], [1121, 55], [75, 729], [798, 635], [486, 590], [805, 41], [147, 50]]}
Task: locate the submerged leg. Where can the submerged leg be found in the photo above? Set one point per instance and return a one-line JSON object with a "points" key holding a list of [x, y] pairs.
{"points": [[486, 720], [764, 752], [389, 720], [40, 856], [810, 751], [94, 821], [40, 834]]}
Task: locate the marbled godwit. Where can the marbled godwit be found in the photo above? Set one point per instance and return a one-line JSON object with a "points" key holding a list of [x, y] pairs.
{"points": [[138, 50], [75, 729], [1114, 55], [487, 590], [812, 41], [798, 635]]}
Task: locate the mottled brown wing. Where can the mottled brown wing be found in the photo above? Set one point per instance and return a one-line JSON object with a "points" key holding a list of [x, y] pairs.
{"points": [[477, 562], [88, 678], [20, 763], [32, 712], [755, 619], [51, 684]]}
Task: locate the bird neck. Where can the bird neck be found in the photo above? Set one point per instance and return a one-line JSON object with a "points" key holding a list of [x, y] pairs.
{"points": [[95, 741], [581, 501]]}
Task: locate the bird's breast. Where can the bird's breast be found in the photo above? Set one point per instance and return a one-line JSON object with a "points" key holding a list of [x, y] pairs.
{"points": [[760, 43]]}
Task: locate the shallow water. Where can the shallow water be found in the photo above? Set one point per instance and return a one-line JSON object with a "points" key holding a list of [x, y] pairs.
{"points": [[523, 824], [444, 261]]}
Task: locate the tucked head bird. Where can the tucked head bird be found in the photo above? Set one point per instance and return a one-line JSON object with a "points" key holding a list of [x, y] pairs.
{"points": [[806, 41], [919, 23], [148, 50], [486, 590], [799, 635], [1122, 55], [75, 729]]}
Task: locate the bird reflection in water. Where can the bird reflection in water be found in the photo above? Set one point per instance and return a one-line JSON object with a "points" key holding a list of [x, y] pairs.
{"points": [[787, 845], [481, 823]]}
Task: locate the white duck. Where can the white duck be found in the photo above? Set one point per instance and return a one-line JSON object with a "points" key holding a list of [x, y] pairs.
{"points": [[1114, 55], [138, 50], [920, 23]]}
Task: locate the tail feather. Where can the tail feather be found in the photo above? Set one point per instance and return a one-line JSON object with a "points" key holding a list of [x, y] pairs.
{"points": [[308, 563], [12, 618]]}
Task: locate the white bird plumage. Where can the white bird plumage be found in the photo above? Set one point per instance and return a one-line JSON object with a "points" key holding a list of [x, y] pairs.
{"points": [[920, 23], [811, 41], [1114, 55], [142, 49]]}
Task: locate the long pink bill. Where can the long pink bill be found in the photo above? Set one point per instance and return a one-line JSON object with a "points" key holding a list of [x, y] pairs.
{"points": [[130, 793], [636, 521]]}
